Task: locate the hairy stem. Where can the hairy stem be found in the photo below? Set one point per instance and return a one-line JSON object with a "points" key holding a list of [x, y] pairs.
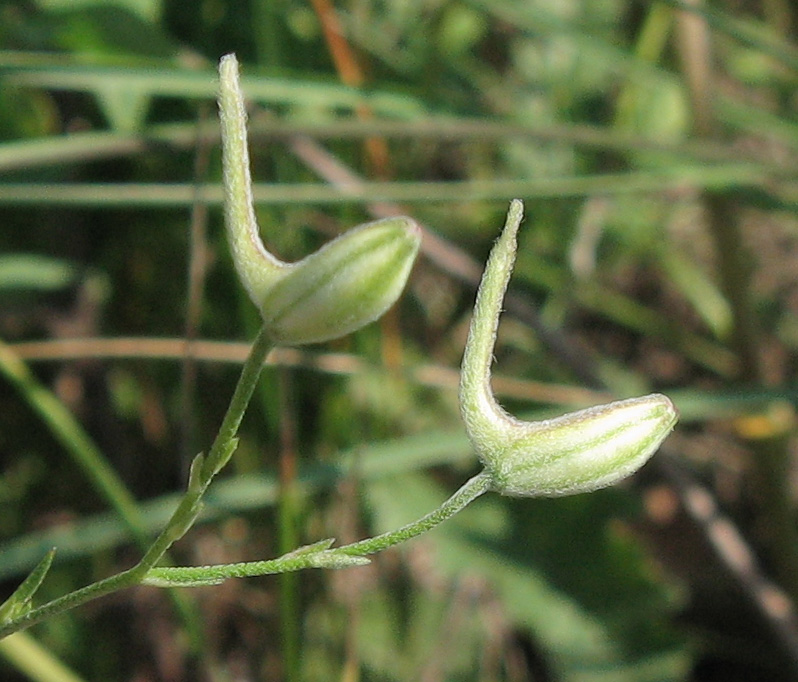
{"points": [[336, 557], [469, 491]]}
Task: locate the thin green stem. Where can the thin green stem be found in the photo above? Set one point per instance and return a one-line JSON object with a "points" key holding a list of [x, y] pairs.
{"points": [[337, 557], [69, 601], [85, 453], [217, 457], [219, 454], [202, 474], [470, 491]]}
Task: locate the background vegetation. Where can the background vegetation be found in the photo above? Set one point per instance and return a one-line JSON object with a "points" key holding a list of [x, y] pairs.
{"points": [[654, 144]]}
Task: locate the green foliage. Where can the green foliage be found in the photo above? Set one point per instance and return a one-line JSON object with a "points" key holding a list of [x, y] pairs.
{"points": [[584, 110]]}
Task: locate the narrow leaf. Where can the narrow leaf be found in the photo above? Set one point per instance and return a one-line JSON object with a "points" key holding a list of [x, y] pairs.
{"points": [[195, 472], [319, 546], [19, 602], [333, 559], [164, 581]]}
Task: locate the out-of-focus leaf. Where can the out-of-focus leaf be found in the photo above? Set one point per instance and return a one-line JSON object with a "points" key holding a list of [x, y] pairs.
{"points": [[124, 108], [109, 31], [105, 30], [34, 660], [25, 271], [148, 10], [171, 82], [697, 288], [26, 113]]}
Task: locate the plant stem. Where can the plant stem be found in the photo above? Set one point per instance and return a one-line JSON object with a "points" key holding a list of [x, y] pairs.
{"points": [[326, 558], [238, 404], [202, 473], [182, 518], [68, 601], [468, 492], [85, 453], [219, 454]]}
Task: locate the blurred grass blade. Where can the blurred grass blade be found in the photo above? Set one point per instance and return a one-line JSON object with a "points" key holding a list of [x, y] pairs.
{"points": [[176, 83], [756, 120], [159, 195], [33, 660], [83, 146], [35, 272], [125, 108], [703, 294], [74, 439]]}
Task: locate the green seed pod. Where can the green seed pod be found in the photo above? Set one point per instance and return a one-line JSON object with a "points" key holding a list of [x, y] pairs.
{"points": [[343, 286], [578, 452]]}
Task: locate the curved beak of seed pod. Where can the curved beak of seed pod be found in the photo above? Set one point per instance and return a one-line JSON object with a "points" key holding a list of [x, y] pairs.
{"points": [[574, 453], [343, 286]]}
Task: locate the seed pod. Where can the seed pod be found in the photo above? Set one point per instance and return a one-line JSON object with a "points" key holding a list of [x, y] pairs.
{"points": [[343, 286], [574, 453]]}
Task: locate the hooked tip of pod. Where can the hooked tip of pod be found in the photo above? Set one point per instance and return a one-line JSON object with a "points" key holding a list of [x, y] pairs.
{"points": [[574, 453]]}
